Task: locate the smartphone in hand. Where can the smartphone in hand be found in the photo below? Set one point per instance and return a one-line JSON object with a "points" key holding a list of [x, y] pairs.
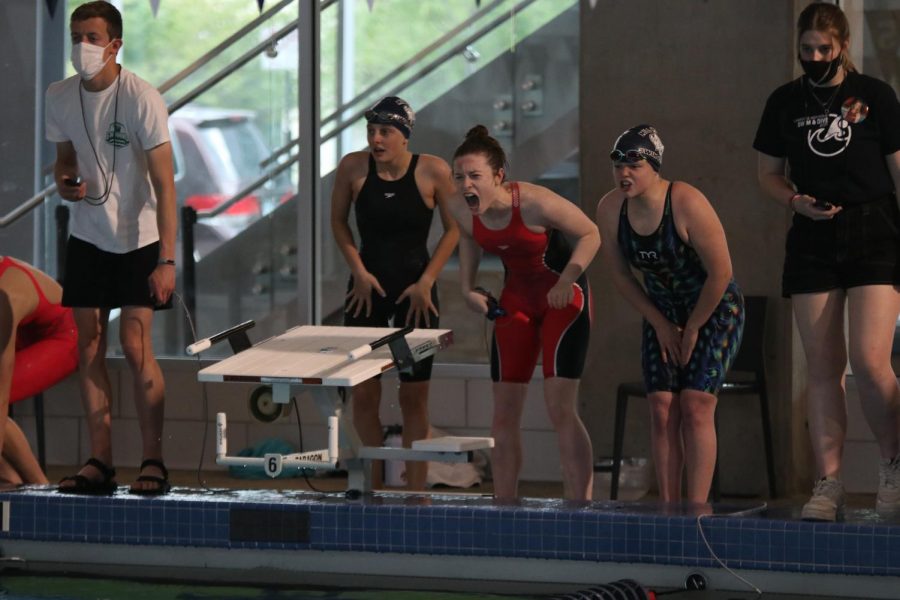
{"points": [[822, 205]]}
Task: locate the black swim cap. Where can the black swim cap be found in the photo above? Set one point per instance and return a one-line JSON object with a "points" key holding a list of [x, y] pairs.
{"points": [[639, 142], [395, 111]]}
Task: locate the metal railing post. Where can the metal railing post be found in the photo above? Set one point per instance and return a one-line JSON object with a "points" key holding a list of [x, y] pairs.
{"points": [[62, 236], [189, 268]]}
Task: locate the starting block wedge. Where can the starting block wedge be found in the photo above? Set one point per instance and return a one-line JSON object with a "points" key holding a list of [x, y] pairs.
{"points": [[450, 443]]}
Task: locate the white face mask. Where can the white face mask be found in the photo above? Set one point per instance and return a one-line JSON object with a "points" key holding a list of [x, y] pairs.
{"points": [[88, 59]]}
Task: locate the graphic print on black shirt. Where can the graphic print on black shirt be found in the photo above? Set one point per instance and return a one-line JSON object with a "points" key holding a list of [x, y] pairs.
{"points": [[833, 154]]}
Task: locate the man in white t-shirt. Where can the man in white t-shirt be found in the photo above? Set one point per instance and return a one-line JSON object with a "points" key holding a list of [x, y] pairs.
{"points": [[114, 163]]}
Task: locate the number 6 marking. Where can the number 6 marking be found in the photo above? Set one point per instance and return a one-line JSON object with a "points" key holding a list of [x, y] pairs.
{"points": [[273, 465]]}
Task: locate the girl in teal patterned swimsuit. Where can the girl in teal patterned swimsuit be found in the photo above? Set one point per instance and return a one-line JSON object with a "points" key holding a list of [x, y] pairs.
{"points": [[693, 310]]}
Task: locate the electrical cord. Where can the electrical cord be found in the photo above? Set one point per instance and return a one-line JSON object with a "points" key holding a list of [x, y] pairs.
{"points": [[739, 513], [200, 481], [300, 433]]}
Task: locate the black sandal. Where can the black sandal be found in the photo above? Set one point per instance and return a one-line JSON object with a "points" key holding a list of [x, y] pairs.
{"points": [[90, 487], [162, 483]]}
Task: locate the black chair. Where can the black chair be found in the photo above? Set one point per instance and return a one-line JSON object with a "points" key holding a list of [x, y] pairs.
{"points": [[750, 362]]}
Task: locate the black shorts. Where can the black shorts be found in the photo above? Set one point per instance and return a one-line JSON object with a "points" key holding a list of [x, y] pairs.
{"points": [[95, 278], [859, 246]]}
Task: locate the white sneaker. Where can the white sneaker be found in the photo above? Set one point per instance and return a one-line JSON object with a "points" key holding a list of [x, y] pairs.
{"points": [[827, 501], [887, 502]]}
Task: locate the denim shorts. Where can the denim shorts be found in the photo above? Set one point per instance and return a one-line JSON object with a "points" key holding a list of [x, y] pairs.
{"points": [[859, 246]]}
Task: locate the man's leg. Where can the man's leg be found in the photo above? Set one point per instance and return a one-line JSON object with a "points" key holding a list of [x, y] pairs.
{"points": [[149, 387], [93, 379]]}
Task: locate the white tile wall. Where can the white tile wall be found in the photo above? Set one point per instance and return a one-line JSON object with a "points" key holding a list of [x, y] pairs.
{"points": [[479, 407], [540, 456], [447, 403]]}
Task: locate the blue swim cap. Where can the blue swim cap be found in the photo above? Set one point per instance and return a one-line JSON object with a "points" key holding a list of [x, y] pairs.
{"points": [[395, 111], [639, 142]]}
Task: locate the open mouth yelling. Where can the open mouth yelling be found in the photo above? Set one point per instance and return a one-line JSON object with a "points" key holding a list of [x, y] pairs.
{"points": [[472, 201]]}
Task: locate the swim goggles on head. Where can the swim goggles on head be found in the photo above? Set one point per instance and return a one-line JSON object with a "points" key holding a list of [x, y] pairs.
{"points": [[630, 156], [385, 117]]}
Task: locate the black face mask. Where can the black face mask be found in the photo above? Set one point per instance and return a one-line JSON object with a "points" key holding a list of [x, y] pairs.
{"points": [[820, 71]]}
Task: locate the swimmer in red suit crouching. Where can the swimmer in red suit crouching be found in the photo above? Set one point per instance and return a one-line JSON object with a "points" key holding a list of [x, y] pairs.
{"points": [[38, 349]]}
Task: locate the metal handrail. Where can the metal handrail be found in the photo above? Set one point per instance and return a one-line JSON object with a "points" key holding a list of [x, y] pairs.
{"points": [[413, 60], [216, 51], [434, 64], [26, 207], [232, 67], [430, 67], [248, 188], [237, 63], [396, 71]]}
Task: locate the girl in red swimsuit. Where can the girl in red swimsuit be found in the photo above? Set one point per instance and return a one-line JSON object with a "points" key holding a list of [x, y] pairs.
{"points": [[38, 348], [545, 298]]}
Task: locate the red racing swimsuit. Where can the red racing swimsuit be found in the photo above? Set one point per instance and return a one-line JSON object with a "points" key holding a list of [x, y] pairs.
{"points": [[46, 343], [533, 263]]}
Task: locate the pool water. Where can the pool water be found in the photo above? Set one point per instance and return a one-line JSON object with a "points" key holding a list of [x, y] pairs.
{"points": [[18, 586], [30, 587]]}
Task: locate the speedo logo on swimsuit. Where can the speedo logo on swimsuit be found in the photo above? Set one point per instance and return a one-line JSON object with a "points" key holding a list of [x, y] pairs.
{"points": [[503, 247], [389, 194], [648, 254], [116, 135], [826, 136]]}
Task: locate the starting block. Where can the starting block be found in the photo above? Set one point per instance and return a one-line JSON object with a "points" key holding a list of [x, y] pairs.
{"points": [[322, 360]]}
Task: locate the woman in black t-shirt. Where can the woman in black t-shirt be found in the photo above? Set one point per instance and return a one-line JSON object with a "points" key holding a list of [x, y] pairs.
{"points": [[829, 148]]}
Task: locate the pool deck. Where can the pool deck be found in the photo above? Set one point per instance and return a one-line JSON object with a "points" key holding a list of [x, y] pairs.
{"points": [[458, 541]]}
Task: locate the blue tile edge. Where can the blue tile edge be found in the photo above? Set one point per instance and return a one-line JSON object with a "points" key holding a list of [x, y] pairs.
{"points": [[558, 532]]}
